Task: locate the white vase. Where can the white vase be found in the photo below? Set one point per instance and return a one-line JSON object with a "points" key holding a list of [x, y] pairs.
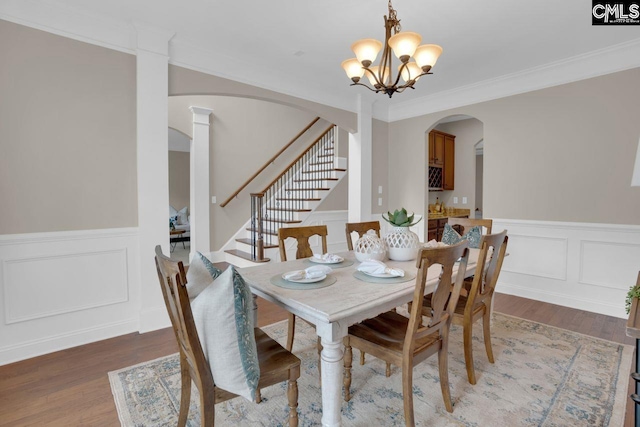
{"points": [[402, 244], [370, 246]]}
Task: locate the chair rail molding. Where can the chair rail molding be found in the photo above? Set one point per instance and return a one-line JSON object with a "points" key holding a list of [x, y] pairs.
{"points": [[68, 288], [580, 265]]}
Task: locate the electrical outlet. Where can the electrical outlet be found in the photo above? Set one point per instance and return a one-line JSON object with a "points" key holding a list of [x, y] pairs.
{"points": [[380, 200], [464, 200], [455, 200], [213, 200]]}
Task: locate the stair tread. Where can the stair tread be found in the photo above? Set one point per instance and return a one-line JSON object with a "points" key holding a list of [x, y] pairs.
{"points": [[325, 155], [298, 199], [250, 243], [282, 221], [315, 179], [320, 163], [245, 255], [288, 210], [326, 170], [308, 189]]}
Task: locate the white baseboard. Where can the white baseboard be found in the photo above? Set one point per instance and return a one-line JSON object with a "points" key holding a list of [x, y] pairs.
{"points": [[63, 289], [580, 265]]}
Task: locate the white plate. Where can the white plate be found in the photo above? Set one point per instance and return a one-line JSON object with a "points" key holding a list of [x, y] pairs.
{"points": [[320, 261], [382, 275], [313, 280]]}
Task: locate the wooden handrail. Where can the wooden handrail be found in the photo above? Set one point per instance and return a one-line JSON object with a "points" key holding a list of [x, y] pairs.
{"points": [[286, 168], [271, 160]]}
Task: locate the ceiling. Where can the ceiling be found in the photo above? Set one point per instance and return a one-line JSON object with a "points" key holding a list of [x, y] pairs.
{"points": [[296, 46]]}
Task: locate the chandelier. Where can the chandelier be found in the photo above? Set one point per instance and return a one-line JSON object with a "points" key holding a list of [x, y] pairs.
{"points": [[404, 46]]}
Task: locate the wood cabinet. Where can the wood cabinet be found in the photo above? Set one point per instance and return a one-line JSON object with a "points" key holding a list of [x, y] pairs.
{"points": [[442, 157], [436, 227]]}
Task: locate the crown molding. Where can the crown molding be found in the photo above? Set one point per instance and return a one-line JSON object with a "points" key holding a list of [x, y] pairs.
{"points": [[70, 23], [152, 39], [596, 63]]}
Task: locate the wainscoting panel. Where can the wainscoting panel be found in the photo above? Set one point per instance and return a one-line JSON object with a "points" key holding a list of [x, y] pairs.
{"points": [[579, 265], [65, 289], [622, 261], [550, 254]]}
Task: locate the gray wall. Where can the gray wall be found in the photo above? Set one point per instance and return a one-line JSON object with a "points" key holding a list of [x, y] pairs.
{"points": [[179, 167], [564, 153], [67, 134]]}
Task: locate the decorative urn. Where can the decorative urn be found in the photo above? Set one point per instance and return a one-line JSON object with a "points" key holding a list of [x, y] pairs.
{"points": [[370, 246], [402, 243]]}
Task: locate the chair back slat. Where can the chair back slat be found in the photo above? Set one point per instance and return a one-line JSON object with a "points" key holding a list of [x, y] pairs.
{"points": [[302, 235], [445, 297], [361, 228], [466, 223], [492, 251]]}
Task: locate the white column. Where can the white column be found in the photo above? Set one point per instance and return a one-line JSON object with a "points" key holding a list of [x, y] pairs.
{"points": [[152, 79], [200, 181], [360, 158]]}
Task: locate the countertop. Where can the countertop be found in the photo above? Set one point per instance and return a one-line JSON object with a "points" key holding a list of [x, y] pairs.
{"points": [[457, 213]]}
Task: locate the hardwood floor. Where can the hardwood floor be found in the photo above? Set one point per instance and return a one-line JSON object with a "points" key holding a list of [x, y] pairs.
{"points": [[71, 387]]}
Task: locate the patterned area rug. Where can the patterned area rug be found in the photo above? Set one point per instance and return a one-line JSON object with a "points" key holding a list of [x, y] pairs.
{"points": [[543, 376]]}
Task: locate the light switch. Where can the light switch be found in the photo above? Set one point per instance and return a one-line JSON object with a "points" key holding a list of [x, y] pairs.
{"points": [[464, 200], [213, 200], [380, 200], [455, 200], [379, 189]]}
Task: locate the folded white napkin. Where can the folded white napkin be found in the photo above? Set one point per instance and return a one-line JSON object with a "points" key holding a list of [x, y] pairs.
{"points": [[328, 257], [373, 266], [433, 243], [310, 273]]}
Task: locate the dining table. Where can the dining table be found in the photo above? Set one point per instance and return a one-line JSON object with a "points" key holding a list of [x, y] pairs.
{"points": [[332, 308]]}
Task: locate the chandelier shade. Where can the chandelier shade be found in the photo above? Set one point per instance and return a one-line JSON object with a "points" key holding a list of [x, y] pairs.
{"points": [[405, 46], [366, 50]]}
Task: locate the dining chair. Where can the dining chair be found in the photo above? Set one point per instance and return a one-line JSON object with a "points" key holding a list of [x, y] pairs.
{"points": [[462, 225], [276, 363], [303, 250], [478, 303], [361, 228], [405, 342]]}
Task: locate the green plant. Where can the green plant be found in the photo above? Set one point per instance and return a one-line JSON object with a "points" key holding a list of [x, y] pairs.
{"points": [[400, 218], [634, 292]]}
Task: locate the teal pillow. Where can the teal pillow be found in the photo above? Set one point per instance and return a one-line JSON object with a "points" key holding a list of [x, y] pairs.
{"points": [[451, 236]]}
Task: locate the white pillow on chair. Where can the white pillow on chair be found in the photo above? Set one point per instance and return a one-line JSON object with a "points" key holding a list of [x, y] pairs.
{"points": [[172, 211], [200, 274], [223, 317]]}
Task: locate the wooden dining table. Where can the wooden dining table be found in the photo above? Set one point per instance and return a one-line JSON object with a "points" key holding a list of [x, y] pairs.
{"points": [[332, 309]]}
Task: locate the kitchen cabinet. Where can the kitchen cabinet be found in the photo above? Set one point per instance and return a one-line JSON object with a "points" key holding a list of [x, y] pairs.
{"points": [[441, 160], [436, 227]]}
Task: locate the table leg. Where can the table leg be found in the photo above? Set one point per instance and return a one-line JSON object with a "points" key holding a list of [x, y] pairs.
{"points": [[332, 356]]}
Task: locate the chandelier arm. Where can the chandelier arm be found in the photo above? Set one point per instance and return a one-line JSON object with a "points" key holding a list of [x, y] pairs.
{"points": [[402, 67], [374, 76], [365, 85]]}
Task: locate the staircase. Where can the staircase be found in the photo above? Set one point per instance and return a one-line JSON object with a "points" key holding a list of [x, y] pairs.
{"points": [[288, 200]]}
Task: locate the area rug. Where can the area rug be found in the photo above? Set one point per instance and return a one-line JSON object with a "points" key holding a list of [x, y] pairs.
{"points": [[542, 376]]}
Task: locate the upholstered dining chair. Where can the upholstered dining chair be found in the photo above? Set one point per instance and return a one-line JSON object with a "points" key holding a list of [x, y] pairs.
{"points": [[361, 228], [406, 342], [462, 225], [303, 250], [477, 304], [276, 364]]}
